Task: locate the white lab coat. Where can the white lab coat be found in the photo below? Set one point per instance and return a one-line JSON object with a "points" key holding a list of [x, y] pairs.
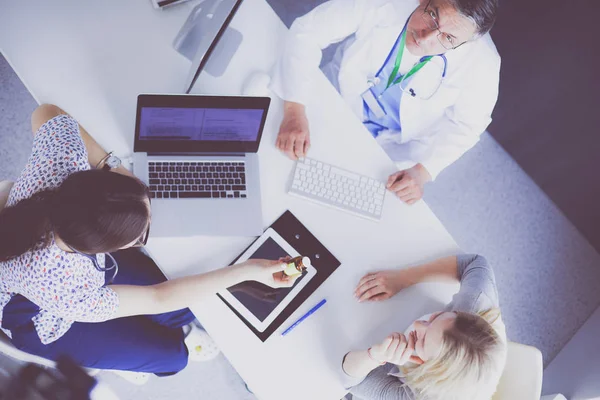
{"points": [[435, 132]]}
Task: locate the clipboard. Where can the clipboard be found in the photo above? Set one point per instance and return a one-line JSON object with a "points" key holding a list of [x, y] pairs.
{"points": [[292, 231]]}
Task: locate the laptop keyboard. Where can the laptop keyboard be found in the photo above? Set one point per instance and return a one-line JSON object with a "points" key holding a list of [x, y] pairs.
{"points": [[195, 180]]}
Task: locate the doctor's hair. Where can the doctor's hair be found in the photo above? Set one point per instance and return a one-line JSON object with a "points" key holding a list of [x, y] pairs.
{"points": [[92, 211], [481, 12], [469, 365]]}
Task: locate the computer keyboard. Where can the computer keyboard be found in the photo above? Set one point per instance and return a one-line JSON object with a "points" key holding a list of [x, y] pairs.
{"points": [[332, 186], [192, 180]]}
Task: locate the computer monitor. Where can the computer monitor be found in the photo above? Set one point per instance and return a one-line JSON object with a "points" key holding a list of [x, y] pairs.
{"points": [[207, 40]]}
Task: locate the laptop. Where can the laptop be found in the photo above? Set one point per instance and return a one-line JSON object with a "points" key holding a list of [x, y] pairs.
{"points": [[198, 155]]}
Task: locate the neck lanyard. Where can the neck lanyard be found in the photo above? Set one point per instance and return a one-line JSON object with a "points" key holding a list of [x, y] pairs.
{"points": [[394, 78]]}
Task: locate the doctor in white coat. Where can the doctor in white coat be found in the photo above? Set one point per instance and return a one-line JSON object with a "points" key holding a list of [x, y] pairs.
{"points": [[424, 111]]}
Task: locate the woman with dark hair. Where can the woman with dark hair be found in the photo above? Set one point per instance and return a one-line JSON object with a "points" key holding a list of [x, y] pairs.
{"points": [[65, 232]]}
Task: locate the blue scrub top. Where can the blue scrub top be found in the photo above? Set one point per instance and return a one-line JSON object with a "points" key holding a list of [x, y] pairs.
{"points": [[388, 99]]}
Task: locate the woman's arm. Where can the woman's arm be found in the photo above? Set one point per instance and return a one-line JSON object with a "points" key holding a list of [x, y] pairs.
{"points": [[395, 349], [384, 284], [474, 273], [96, 153], [358, 364], [478, 291], [188, 291]]}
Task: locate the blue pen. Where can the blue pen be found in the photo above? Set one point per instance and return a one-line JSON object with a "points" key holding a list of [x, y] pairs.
{"points": [[302, 318]]}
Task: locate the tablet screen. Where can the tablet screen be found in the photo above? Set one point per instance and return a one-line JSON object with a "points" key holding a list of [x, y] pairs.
{"points": [[258, 303], [261, 299]]}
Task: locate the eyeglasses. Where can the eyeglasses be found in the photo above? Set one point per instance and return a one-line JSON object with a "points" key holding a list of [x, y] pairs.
{"points": [[141, 242], [430, 18]]}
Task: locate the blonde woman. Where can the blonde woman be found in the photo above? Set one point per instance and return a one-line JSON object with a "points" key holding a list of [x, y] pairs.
{"points": [[458, 353]]}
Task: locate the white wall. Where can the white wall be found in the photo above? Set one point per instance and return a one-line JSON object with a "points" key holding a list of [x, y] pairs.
{"points": [[575, 372]]}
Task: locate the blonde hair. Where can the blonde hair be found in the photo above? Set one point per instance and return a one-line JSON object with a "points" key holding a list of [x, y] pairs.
{"points": [[469, 364]]}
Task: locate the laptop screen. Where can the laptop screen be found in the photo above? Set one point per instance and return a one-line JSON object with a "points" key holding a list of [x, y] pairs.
{"points": [[199, 124], [203, 124]]}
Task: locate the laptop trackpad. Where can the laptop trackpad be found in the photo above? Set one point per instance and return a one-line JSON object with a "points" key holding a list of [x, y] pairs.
{"points": [[213, 217]]}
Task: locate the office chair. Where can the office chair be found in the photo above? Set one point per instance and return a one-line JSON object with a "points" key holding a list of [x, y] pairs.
{"points": [[522, 376]]}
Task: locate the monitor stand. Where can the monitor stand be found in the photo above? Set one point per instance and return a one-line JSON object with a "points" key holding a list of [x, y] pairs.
{"points": [[199, 31]]}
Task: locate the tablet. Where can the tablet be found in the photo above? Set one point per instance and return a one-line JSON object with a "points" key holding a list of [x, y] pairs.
{"points": [[260, 304]]}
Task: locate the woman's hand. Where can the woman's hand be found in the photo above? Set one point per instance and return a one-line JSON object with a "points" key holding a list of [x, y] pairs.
{"points": [[269, 272], [395, 349], [381, 285]]}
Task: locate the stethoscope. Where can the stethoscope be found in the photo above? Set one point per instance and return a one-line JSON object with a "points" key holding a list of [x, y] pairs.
{"points": [[375, 80], [94, 260]]}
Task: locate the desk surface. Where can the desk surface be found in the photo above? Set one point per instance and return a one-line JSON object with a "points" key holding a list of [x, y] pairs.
{"points": [[94, 58]]}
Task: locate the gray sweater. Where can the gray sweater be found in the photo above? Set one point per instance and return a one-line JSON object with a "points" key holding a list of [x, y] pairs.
{"points": [[477, 293]]}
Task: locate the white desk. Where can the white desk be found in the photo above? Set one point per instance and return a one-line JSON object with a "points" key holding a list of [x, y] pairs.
{"points": [[93, 58]]}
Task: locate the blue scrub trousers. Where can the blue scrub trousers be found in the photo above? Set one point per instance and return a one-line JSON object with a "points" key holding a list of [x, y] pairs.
{"points": [[143, 343]]}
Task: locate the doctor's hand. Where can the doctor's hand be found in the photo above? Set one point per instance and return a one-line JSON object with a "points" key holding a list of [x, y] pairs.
{"points": [[395, 349], [408, 184], [294, 137], [382, 285], [269, 272]]}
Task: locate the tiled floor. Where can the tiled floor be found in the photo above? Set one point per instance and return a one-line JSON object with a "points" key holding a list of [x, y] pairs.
{"points": [[547, 273]]}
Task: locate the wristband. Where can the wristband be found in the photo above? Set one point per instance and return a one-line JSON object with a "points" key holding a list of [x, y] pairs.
{"points": [[101, 162], [373, 358]]}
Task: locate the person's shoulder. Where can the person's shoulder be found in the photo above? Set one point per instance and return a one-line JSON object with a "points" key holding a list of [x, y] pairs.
{"points": [[487, 48], [389, 12], [32, 265], [403, 8], [478, 58]]}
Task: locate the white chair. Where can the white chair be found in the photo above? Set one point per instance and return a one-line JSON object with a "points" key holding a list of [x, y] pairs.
{"points": [[522, 376]]}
